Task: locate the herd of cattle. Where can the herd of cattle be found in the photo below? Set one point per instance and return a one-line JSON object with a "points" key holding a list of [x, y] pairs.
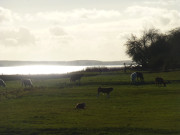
{"points": [[136, 76], [139, 76]]}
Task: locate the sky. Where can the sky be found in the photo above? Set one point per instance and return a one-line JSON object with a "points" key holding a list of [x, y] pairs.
{"points": [[65, 30]]}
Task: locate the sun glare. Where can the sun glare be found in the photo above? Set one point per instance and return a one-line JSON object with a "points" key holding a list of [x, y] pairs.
{"points": [[40, 69], [44, 69]]}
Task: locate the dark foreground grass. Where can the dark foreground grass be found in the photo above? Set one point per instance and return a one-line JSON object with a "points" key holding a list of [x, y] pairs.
{"points": [[48, 108], [88, 131]]}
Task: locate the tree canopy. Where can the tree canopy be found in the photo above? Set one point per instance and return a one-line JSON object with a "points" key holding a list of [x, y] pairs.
{"points": [[155, 50]]}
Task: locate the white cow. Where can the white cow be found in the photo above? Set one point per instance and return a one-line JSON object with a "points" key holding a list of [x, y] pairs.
{"points": [[137, 76], [133, 77], [2, 83], [27, 82]]}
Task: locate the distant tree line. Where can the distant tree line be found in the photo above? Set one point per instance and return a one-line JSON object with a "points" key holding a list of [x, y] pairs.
{"points": [[155, 50], [102, 69]]}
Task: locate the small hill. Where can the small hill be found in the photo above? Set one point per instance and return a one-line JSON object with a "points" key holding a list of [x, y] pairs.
{"points": [[4, 63]]}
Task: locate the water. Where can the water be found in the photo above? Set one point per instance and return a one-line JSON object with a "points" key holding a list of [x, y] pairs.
{"points": [[43, 69]]}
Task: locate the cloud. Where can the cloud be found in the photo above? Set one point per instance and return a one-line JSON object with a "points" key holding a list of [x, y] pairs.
{"points": [[78, 34], [162, 2], [57, 31], [143, 11], [24, 36], [5, 15], [78, 14], [160, 17], [18, 37]]}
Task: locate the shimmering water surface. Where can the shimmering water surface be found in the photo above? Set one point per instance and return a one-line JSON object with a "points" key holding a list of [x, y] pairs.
{"points": [[43, 69]]}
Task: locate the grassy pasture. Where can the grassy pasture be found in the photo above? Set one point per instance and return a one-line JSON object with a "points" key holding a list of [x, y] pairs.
{"points": [[48, 108]]}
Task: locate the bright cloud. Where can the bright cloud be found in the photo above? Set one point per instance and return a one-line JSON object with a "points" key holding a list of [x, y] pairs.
{"points": [[162, 2], [78, 33], [21, 36]]}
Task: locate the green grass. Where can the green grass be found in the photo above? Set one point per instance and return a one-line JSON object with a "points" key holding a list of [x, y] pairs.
{"points": [[48, 108]]}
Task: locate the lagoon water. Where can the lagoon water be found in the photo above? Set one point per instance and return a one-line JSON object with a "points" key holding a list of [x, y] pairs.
{"points": [[44, 69]]}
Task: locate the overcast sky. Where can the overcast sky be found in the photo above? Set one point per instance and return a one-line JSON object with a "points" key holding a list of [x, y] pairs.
{"points": [[79, 29]]}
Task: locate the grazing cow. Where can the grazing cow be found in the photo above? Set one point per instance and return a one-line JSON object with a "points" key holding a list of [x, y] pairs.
{"points": [[133, 77], [80, 106], [75, 77], [2, 83], [140, 76], [136, 76], [159, 81], [105, 90], [27, 82]]}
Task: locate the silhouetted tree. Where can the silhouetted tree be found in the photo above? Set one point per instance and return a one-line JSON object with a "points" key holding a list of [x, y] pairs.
{"points": [[155, 50], [138, 49], [159, 53], [174, 43]]}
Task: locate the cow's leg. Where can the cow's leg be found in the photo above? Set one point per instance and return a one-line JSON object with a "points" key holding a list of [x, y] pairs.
{"points": [[98, 94], [107, 95]]}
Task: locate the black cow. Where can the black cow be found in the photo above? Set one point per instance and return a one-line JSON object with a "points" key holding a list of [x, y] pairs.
{"points": [[105, 90], [75, 77], [160, 81], [80, 106], [140, 76]]}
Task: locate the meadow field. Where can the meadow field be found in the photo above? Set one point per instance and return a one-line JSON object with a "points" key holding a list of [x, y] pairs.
{"points": [[49, 107]]}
